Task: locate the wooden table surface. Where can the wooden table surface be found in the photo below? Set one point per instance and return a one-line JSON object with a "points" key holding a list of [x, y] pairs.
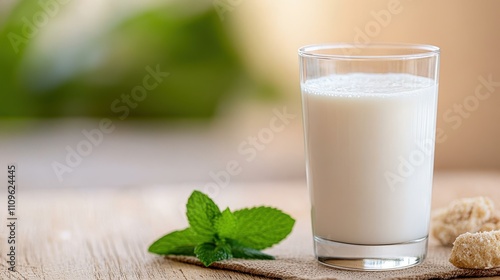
{"points": [[104, 233]]}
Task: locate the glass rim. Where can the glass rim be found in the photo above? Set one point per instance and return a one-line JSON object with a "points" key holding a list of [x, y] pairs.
{"points": [[311, 51]]}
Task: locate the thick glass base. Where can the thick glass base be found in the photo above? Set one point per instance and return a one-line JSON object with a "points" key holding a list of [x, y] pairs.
{"points": [[370, 257]]}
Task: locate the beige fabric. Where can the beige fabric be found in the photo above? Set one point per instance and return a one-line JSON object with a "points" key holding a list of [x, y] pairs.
{"points": [[436, 266]]}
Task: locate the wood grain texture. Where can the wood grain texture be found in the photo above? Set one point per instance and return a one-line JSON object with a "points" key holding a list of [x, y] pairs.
{"points": [[104, 233], [99, 234]]}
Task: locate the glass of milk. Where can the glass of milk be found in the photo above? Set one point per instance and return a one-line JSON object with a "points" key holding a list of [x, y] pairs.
{"points": [[369, 115]]}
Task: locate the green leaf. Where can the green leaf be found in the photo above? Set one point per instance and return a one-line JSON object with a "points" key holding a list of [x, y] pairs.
{"points": [[226, 225], [215, 236], [181, 242], [209, 253], [247, 253], [262, 227], [202, 213]]}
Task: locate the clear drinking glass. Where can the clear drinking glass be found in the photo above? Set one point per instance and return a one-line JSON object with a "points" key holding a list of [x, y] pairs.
{"points": [[369, 117]]}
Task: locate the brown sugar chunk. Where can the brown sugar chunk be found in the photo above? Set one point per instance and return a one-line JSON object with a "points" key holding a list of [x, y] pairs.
{"points": [[464, 215], [479, 250], [492, 224]]}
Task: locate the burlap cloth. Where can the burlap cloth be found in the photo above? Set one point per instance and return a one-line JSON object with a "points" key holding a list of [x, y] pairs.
{"points": [[295, 256], [436, 266]]}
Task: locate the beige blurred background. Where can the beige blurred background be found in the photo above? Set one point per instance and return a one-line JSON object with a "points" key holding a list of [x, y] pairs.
{"points": [[468, 33], [267, 35]]}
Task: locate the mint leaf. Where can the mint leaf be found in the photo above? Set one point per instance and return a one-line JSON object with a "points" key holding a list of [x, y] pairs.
{"points": [[248, 253], [202, 214], [262, 227], [215, 236], [226, 224], [181, 242], [209, 253]]}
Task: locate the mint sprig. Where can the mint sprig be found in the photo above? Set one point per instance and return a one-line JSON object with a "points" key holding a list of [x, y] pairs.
{"points": [[213, 235]]}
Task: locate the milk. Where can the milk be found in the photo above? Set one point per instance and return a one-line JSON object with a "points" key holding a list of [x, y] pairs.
{"points": [[370, 153]]}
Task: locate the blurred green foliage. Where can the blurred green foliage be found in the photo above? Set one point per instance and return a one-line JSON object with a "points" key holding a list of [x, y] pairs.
{"points": [[84, 77]]}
